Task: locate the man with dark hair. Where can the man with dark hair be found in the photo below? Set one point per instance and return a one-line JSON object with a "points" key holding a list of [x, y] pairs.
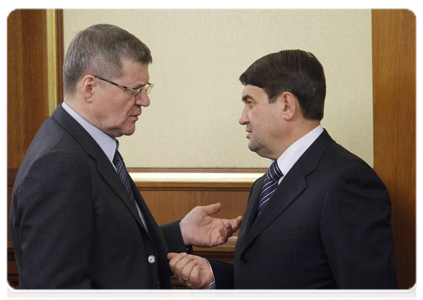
{"points": [[77, 220], [320, 216]]}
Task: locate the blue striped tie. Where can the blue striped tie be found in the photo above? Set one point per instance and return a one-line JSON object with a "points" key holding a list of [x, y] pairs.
{"points": [[270, 185], [123, 174], [124, 177]]}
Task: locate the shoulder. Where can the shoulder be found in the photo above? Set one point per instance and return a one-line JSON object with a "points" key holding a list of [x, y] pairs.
{"points": [[338, 158]]}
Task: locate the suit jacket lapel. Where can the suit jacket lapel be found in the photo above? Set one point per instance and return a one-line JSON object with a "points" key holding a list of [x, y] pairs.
{"points": [[292, 185], [152, 229], [290, 188], [109, 174], [251, 210], [104, 166]]}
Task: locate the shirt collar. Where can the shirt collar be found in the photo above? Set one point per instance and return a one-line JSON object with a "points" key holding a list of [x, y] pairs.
{"points": [[294, 152], [105, 141]]}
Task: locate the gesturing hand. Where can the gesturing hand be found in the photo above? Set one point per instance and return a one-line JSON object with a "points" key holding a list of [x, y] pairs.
{"points": [[200, 229], [190, 270]]}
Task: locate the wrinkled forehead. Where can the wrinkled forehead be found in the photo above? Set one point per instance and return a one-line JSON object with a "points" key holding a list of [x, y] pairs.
{"points": [[134, 72]]}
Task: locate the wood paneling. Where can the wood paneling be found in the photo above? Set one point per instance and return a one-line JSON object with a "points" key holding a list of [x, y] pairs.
{"points": [[27, 81], [60, 53], [394, 96], [168, 206]]}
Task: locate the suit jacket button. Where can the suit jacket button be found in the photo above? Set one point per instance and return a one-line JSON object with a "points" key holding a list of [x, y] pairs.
{"points": [[151, 259], [244, 260]]}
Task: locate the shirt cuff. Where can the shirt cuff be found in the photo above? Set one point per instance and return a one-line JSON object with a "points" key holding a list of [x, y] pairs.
{"points": [[207, 292]]}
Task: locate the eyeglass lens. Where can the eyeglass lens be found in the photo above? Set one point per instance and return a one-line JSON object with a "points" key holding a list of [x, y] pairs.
{"points": [[145, 89]]}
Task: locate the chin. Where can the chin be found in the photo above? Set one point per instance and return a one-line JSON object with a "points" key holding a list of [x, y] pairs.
{"points": [[253, 149], [257, 149], [128, 131]]}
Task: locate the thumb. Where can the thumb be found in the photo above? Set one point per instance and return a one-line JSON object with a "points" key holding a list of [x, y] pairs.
{"points": [[212, 209]]}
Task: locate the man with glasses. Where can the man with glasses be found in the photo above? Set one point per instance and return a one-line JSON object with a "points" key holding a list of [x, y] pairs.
{"points": [[77, 220]]}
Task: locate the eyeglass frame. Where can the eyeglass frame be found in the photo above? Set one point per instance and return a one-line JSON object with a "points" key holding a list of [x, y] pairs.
{"points": [[145, 89]]}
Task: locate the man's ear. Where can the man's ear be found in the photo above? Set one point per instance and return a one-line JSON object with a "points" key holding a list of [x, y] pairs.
{"points": [[290, 106], [87, 87]]}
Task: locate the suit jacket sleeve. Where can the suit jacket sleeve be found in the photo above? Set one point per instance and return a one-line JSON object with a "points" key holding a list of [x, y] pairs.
{"points": [[173, 236], [56, 223], [356, 232]]}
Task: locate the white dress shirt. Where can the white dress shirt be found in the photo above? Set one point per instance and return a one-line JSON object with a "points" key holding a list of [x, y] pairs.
{"points": [[296, 150]]}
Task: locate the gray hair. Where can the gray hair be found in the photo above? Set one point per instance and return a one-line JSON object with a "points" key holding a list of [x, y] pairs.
{"points": [[99, 50]]}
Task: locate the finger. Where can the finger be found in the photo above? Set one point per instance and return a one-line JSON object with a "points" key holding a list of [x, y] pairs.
{"points": [[212, 209], [175, 257], [224, 235], [224, 231], [186, 271], [226, 223], [181, 265], [171, 255], [201, 275], [194, 279], [236, 223], [175, 260]]}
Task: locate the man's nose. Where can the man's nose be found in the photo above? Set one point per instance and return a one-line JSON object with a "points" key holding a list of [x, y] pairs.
{"points": [[144, 100], [243, 119]]}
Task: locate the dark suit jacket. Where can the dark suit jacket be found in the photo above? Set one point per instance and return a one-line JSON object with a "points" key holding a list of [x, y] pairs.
{"points": [[71, 221], [326, 226]]}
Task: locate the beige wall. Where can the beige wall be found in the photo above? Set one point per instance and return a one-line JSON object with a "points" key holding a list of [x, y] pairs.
{"points": [[198, 56]]}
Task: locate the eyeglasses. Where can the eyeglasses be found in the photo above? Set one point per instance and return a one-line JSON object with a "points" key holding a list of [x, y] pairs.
{"points": [[138, 93]]}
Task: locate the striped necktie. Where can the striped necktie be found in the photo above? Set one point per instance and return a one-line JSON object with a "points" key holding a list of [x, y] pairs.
{"points": [[124, 177], [270, 184], [123, 174]]}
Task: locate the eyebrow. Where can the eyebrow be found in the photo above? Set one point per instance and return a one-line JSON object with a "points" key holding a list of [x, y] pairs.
{"points": [[142, 85], [246, 97]]}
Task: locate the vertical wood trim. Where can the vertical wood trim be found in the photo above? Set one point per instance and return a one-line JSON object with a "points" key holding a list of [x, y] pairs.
{"points": [[51, 60], [394, 123], [60, 54], [55, 57]]}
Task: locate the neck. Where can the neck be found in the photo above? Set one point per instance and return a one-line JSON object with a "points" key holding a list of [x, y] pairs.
{"points": [[304, 128], [296, 132], [75, 104]]}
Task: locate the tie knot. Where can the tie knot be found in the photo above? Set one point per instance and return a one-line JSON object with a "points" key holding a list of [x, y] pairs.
{"points": [[274, 173]]}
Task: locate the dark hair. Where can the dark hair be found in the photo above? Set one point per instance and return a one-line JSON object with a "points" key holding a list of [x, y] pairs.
{"points": [[295, 71], [99, 50]]}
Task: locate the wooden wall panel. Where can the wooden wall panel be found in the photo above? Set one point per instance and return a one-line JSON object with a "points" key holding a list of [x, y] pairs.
{"points": [[394, 96], [27, 81], [169, 205]]}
